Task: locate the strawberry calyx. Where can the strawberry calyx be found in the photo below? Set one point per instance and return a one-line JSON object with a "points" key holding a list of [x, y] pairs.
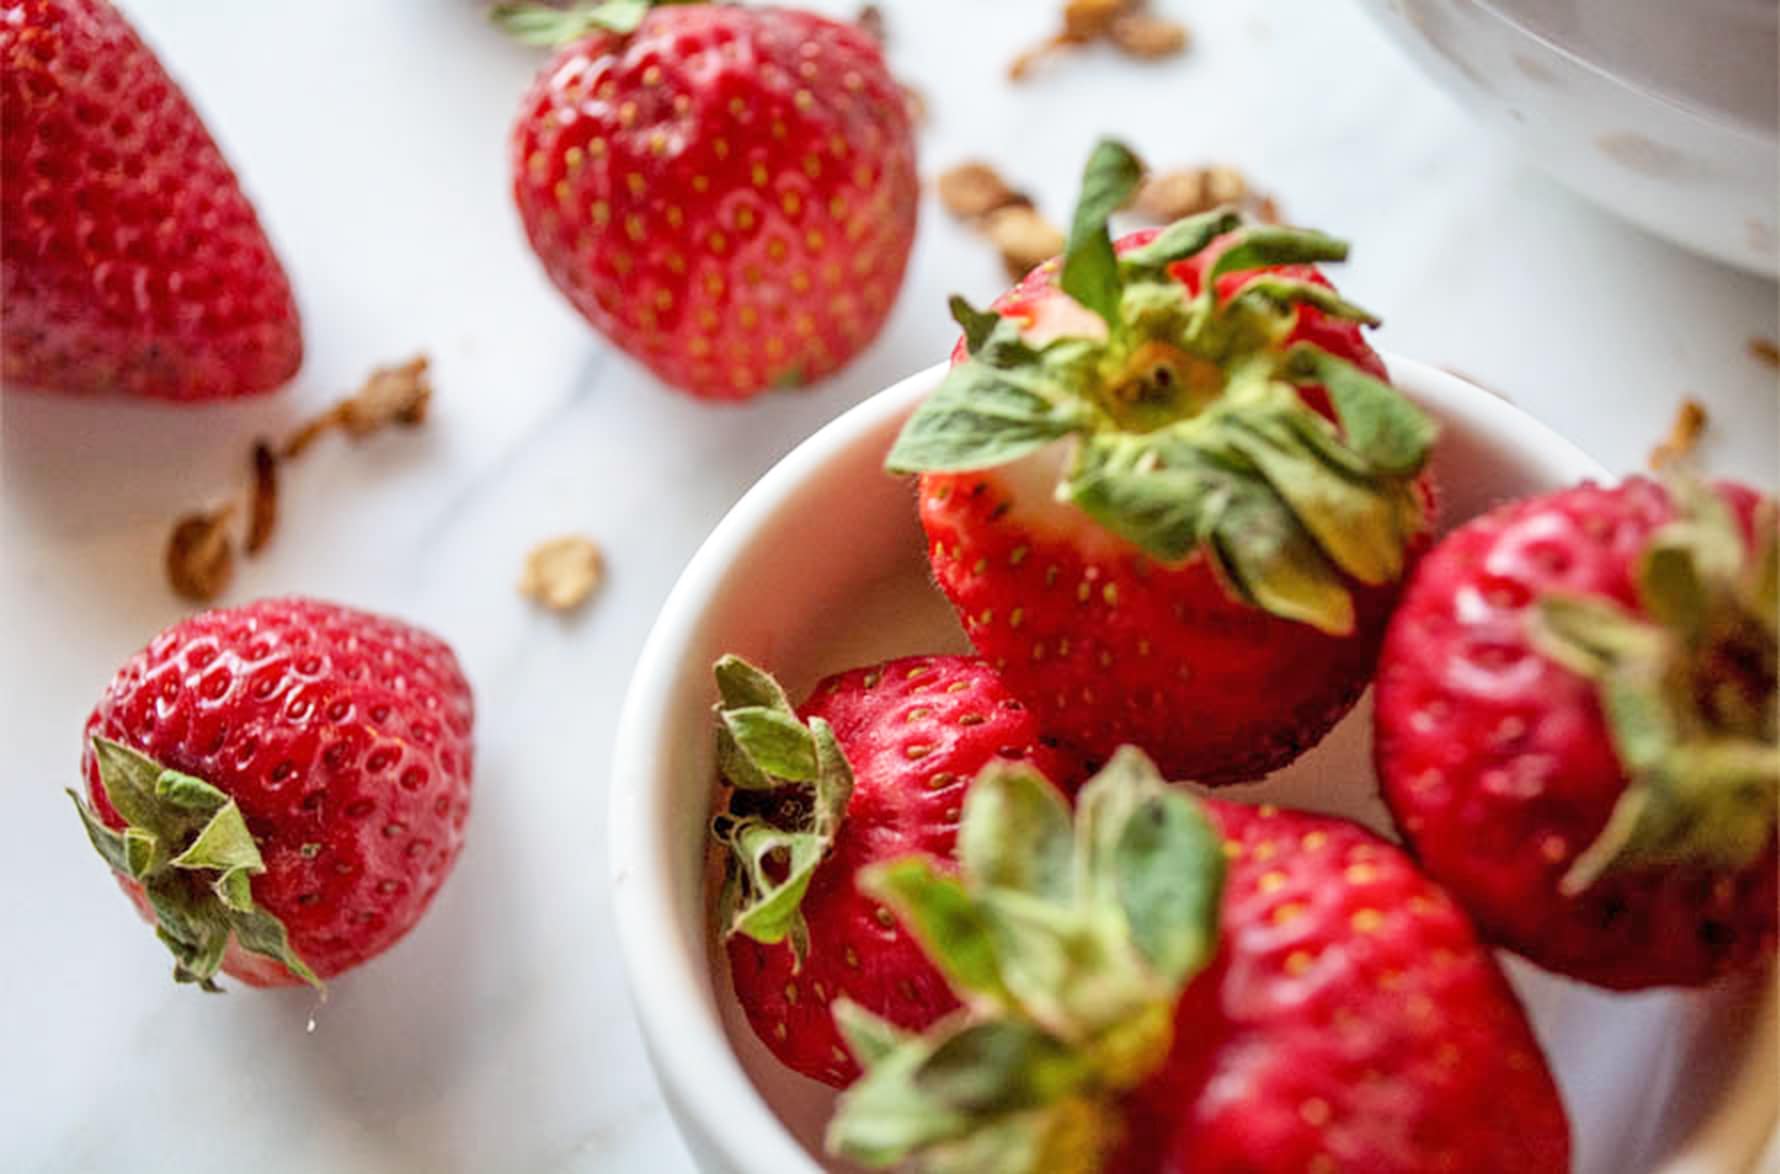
{"points": [[791, 785], [534, 23], [186, 843], [1687, 687], [1069, 942], [1189, 431]]}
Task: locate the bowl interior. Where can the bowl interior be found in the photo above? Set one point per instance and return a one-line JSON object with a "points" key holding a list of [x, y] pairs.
{"points": [[788, 585]]}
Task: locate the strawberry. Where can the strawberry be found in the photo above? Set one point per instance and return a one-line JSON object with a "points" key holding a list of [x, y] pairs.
{"points": [[1205, 563], [1181, 985], [726, 193], [281, 787], [1576, 728], [873, 765], [129, 259]]}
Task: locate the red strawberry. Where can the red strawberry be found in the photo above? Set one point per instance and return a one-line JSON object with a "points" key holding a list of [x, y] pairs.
{"points": [[1205, 566], [879, 758], [1136, 1004], [1576, 728], [131, 260], [727, 193], [282, 787]]}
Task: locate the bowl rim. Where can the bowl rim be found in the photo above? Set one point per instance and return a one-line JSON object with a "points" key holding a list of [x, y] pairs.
{"points": [[713, 1101]]}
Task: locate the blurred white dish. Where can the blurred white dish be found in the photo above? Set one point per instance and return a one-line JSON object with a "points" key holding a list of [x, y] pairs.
{"points": [[821, 566], [1662, 112]]}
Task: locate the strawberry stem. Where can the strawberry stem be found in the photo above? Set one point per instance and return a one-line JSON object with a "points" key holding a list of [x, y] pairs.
{"points": [[1687, 686], [186, 843], [1070, 941], [1191, 435], [791, 785], [531, 22]]}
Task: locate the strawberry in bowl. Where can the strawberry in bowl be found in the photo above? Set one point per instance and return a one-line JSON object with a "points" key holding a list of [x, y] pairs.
{"points": [[1576, 728], [1167, 984], [873, 765], [1169, 489]]}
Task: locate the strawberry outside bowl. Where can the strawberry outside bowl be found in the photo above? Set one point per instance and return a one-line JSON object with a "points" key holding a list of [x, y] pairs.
{"points": [[821, 566]]}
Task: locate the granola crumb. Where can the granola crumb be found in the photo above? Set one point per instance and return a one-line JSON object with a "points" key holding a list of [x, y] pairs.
{"points": [[1024, 238], [1127, 25], [1167, 196], [391, 395], [1084, 20], [1683, 437], [201, 554], [262, 508], [975, 189], [1765, 351], [562, 573], [200, 557], [1149, 38]]}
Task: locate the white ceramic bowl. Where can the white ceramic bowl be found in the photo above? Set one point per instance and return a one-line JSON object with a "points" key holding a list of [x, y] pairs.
{"points": [[821, 567], [1660, 110]]}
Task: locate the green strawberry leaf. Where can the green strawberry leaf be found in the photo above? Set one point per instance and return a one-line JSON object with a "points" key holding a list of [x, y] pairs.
{"points": [[260, 933], [532, 23], [1083, 976], [1262, 245], [1138, 828], [762, 746], [179, 828], [128, 778], [1090, 267], [1174, 498], [776, 745], [1021, 839], [224, 845], [978, 325], [1702, 754], [1173, 914], [1378, 423], [193, 930], [885, 1116], [999, 1066], [107, 842], [775, 870], [942, 917], [869, 1037], [1286, 292], [1183, 239], [740, 686], [1689, 563], [1353, 523], [1005, 401]]}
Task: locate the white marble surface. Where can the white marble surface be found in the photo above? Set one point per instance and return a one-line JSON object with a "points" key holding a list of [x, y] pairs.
{"points": [[372, 137]]}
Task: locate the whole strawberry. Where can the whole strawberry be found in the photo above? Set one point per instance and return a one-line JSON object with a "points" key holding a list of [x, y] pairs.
{"points": [[1137, 1004], [129, 259], [727, 193], [281, 787], [1576, 728], [1169, 491], [874, 764]]}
